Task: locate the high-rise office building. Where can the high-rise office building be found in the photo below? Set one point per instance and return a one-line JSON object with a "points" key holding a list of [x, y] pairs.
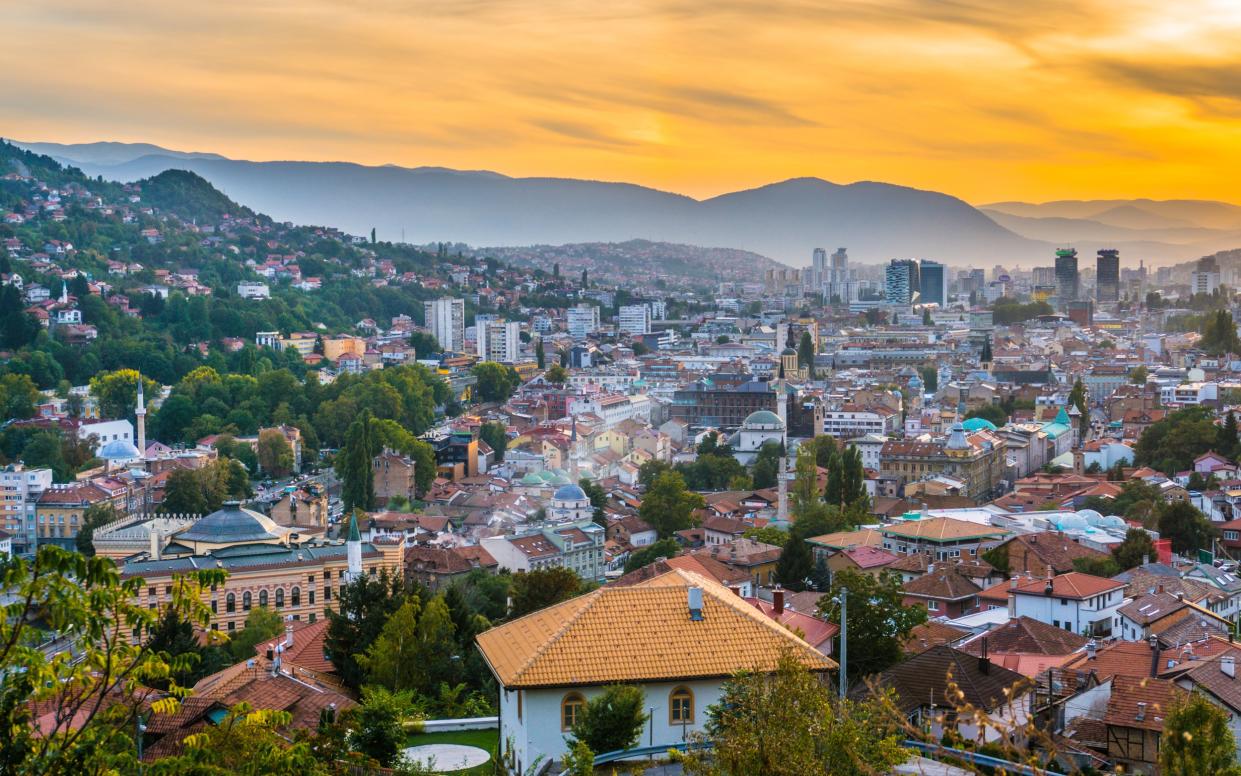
{"points": [[901, 282], [446, 320], [1067, 277], [818, 271], [840, 284], [1107, 275], [1044, 276], [634, 319], [933, 283], [582, 320]]}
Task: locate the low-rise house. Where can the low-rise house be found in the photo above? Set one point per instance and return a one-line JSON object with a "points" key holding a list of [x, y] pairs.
{"points": [[1036, 552], [1076, 602], [684, 637], [1134, 721], [1026, 646], [944, 538], [943, 591], [1174, 621]]}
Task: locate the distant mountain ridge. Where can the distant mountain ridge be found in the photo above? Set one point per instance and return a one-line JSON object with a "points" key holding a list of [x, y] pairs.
{"points": [[784, 221]]}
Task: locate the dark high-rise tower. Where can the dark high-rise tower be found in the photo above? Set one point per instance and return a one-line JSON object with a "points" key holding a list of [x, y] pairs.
{"points": [[1107, 275], [1067, 277]]}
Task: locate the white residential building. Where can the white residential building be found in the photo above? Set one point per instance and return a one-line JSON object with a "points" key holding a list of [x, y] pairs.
{"points": [[446, 320], [634, 319], [1076, 602], [499, 341], [106, 431], [252, 289], [20, 489], [853, 421], [582, 321]]}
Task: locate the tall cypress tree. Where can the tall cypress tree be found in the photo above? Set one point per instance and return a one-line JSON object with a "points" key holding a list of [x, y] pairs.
{"points": [[354, 467], [1228, 436]]}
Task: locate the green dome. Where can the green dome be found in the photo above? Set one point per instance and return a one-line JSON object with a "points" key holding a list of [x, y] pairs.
{"points": [[762, 418], [978, 424]]}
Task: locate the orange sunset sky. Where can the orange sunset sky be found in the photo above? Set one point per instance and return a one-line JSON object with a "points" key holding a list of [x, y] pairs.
{"points": [[984, 100]]}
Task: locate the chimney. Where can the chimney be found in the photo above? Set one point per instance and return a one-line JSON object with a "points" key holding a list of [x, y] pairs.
{"points": [[777, 600], [1092, 650], [695, 604], [930, 568], [1161, 588], [155, 544], [1141, 715], [288, 634], [1228, 666], [1013, 583], [736, 590], [1048, 588], [984, 661]]}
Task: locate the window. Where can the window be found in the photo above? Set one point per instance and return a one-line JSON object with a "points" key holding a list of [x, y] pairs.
{"points": [[571, 709], [932, 606], [312, 597], [681, 707], [214, 606], [279, 597], [232, 626], [245, 601], [262, 598], [230, 603], [327, 593], [297, 596]]}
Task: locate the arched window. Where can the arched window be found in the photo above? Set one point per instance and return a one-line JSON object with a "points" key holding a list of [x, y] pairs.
{"points": [[262, 598], [681, 707], [571, 709], [297, 596], [230, 603], [279, 597], [245, 601]]}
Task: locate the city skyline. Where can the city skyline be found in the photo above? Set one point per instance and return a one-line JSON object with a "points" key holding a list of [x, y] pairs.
{"points": [[1068, 105]]}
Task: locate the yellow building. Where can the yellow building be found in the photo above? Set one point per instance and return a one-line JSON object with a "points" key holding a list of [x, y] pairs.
{"points": [[335, 347], [298, 580]]}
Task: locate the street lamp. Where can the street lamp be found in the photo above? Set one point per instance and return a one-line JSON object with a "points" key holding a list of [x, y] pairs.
{"points": [[842, 598]]}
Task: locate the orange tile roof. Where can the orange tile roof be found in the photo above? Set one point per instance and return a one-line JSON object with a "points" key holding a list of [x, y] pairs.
{"points": [[641, 633], [941, 529], [1072, 585]]}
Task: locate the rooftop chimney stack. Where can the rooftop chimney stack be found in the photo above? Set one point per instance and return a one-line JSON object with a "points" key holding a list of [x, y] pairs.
{"points": [[777, 600], [1092, 650], [1228, 666], [1141, 715]]}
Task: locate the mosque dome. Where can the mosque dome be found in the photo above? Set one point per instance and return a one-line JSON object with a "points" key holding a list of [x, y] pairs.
{"points": [[232, 524], [119, 450], [569, 492]]}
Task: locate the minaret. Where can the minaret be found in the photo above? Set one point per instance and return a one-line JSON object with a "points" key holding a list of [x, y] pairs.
{"points": [[140, 412], [353, 549]]}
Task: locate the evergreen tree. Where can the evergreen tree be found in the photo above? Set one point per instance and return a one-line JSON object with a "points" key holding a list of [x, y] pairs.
{"points": [[585, 279], [1228, 436], [556, 270], [805, 351], [539, 356], [926, 317], [354, 466], [795, 568], [985, 356]]}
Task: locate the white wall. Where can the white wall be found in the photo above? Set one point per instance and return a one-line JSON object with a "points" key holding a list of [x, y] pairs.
{"points": [[538, 731]]}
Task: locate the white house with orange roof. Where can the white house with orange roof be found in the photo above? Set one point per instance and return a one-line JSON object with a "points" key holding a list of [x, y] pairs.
{"points": [[679, 636]]}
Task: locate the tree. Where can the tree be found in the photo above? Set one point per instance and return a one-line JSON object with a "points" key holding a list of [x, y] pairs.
{"points": [[788, 723], [246, 741], [353, 466], [88, 725], [365, 605], [613, 720], [768, 534], [846, 480], [496, 382], [557, 374], [664, 548], [650, 470], [796, 564], [766, 467], [1136, 549], [805, 352], [96, 515], [879, 622], [1219, 334], [930, 379], [540, 356], [1228, 443], [1099, 566], [541, 588], [989, 412], [1197, 739], [585, 279], [274, 452], [424, 344], [668, 506], [376, 725], [1188, 528], [261, 625], [1138, 376], [1172, 443], [495, 434], [117, 392]]}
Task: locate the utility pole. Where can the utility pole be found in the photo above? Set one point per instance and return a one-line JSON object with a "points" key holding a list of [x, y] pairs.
{"points": [[844, 640]]}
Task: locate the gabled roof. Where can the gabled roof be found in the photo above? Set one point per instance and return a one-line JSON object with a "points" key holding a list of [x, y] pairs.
{"points": [[924, 680], [1140, 703], [642, 632], [1028, 636], [943, 584], [1071, 585], [941, 529]]}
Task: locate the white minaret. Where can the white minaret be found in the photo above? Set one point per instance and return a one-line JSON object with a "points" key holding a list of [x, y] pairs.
{"points": [[140, 412], [353, 549]]}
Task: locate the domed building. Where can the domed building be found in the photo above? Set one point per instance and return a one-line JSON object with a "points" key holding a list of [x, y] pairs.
{"points": [[228, 526], [758, 429], [570, 502]]}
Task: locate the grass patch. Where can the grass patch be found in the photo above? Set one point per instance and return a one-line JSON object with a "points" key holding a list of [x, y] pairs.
{"points": [[487, 740]]}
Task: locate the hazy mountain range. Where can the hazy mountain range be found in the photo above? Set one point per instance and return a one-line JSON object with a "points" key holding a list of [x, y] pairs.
{"points": [[785, 220]]}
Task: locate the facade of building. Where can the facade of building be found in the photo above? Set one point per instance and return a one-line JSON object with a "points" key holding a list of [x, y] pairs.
{"points": [[499, 341], [933, 283], [393, 476], [684, 635], [1205, 278], [634, 319], [576, 544], [902, 284], [853, 421], [706, 405], [582, 320], [1067, 277], [977, 460], [1107, 275], [20, 489], [445, 318]]}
